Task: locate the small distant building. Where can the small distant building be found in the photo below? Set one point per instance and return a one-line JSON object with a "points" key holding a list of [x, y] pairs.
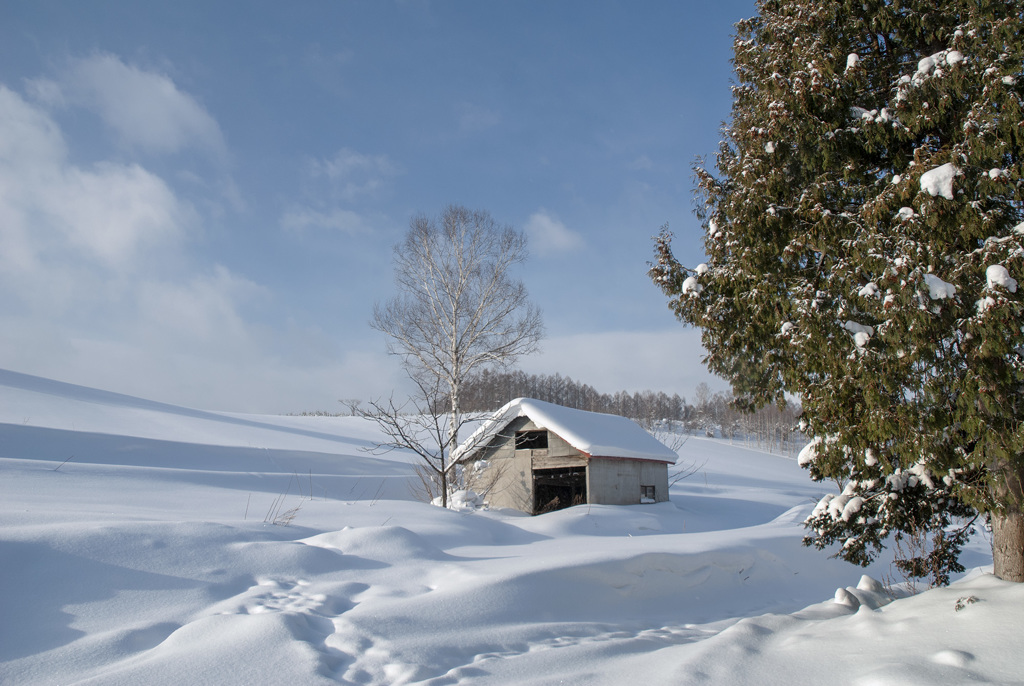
{"points": [[536, 457]]}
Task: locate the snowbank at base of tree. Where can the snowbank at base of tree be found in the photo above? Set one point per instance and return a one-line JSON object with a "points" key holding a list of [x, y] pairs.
{"points": [[462, 500]]}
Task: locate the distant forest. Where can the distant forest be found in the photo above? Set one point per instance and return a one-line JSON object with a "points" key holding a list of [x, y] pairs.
{"points": [[666, 416], [710, 413]]}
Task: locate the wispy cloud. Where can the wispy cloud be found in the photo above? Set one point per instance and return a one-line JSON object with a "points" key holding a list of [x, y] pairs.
{"points": [[344, 221], [203, 307], [548, 236], [354, 175], [641, 163], [53, 211], [97, 283], [145, 108], [474, 118]]}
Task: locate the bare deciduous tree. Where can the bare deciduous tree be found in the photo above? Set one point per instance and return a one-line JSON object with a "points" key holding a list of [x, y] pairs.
{"points": [[458, 310], [416, 425]]}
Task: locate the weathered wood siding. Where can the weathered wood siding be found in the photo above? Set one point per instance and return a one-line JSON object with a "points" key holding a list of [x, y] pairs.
{"points": [[507, 480]]}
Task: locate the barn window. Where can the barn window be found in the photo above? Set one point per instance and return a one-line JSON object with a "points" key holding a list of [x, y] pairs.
{"points": [[531, 440], [647, 494]]}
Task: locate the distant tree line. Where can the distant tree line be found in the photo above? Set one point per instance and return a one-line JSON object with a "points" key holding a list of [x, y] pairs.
{"points": [[711, 413], [489, 390]]}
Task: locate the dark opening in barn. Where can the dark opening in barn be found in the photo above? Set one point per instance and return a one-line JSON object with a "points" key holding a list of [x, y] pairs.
{"points": [[554, 489], [532, 440]]}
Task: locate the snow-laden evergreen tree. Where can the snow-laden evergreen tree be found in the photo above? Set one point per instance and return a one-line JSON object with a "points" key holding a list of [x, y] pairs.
{"points": [[864, 233]]}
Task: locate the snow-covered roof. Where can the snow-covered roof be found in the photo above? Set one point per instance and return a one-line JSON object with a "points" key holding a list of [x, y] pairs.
{"points": [[593, 433]]}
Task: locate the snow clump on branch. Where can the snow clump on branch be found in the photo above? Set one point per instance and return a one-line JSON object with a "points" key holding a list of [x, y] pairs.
{"points": [[932, 65], [809, 453], [939, 289], [996, 275], [939, 181], [692, 287], [713, 229], [862, 333], [870, 290]]}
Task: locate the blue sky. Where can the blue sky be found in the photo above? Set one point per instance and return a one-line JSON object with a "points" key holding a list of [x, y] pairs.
{"points": [[198, 199]]}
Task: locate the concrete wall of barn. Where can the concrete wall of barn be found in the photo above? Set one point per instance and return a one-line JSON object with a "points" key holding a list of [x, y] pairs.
{"points": [[617, 481]]}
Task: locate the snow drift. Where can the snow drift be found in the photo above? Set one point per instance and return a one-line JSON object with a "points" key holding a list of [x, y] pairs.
{"points": [[138, 545]]}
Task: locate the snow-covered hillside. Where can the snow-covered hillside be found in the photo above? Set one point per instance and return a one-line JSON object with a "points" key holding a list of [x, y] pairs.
{"points": [[136, 547]]}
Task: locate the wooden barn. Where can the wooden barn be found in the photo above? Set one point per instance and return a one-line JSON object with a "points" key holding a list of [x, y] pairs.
{"points": [[535, 457]]}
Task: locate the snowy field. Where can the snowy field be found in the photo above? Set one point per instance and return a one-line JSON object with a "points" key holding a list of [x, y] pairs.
{"points": [[137, 547]]}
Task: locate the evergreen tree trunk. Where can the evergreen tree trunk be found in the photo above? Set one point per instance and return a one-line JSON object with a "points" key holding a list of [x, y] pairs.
{"points": [[1008, 531], [1008, 546]]}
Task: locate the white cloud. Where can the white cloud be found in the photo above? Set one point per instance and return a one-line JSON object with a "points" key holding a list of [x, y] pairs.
{"points": [[55, 214], [347, 163], [240, 380], [28, 137], [77, 245], [98, 282], [354, 174], [345, 221], [98, 289], [31, 149], [115, 211], [548, 236], [668, 361], [202, 311], [46, 92], [145, 108], [188, 341]]}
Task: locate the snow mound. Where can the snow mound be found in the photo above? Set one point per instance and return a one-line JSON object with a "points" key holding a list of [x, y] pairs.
{"points": [[384, 544], [462, 500]]}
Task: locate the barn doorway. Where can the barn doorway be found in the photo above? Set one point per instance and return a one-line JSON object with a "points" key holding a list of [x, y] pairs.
{"points": [[554, 489]]}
